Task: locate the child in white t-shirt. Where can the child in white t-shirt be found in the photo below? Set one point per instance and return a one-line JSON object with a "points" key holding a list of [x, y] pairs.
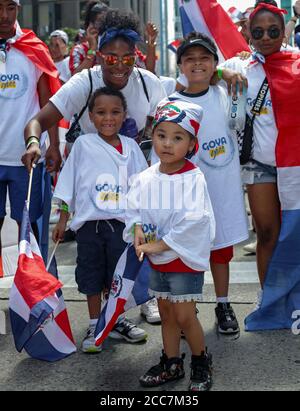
{"points": [[170, 210], [93, 185]]}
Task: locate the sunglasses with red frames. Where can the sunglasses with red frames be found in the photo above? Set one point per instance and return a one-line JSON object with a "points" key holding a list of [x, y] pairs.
{"points": [[112, 60]]}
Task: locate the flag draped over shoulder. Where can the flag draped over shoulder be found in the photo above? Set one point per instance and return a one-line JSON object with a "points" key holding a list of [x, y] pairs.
{"points": [[129, 288], [39, 319], [281, 295], [209, 17]]}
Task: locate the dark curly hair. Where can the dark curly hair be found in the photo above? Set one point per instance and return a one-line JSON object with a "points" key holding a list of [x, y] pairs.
{"points": [[107, 91], [120, 20], [92, 10]]}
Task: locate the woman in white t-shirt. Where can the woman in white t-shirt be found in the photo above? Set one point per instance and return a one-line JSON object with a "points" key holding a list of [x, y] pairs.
{"points": [[267, 30], [142, 89]]}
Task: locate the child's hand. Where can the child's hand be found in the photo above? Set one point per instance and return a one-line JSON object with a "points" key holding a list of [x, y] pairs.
{"points": [[139, 236], [59, 231], [152, 248]]}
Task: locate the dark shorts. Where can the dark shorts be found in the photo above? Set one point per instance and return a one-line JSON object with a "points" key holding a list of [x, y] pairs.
{"points": [[15, 180], [99, 247]]}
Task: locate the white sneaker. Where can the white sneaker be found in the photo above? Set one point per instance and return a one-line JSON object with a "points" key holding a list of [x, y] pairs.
{"points": [[149, 310], [251, 248], [126, 330], [88, 343]]}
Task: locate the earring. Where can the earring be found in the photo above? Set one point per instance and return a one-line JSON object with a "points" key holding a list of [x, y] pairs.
{"points": [[251, 46]]}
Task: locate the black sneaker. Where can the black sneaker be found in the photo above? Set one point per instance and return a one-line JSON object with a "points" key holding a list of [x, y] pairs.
{"points": [[169, 369], [226, 319], [201, 372]]}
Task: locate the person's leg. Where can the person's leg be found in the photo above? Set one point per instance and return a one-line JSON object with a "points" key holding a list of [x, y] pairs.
{"points": [[186, 319], [169, 328], [265, 207], [220, 273]]}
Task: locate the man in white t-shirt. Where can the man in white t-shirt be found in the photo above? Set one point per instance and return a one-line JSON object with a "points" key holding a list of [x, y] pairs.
{"points": [[24, 88], [59, 52]]}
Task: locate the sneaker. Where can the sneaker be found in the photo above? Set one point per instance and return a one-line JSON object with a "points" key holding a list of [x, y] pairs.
{"points": [[226, 319], [251, 248], [150, 312], [126, 330], [88, 344], [169, 369], [201, 372]]}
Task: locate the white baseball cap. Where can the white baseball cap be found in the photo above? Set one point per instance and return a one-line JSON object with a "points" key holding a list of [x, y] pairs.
{"points": [[61, 34]]}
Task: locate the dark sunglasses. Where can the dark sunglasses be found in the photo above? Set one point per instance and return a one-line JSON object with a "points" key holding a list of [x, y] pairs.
{"points": [[273, 33], [112, 60]]}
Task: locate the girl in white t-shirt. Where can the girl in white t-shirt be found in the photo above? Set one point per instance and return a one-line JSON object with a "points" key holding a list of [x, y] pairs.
{"points": [[93, 185], [170, 210]]}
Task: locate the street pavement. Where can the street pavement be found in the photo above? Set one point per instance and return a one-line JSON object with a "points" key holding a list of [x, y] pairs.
{"points": [[264, 361]]}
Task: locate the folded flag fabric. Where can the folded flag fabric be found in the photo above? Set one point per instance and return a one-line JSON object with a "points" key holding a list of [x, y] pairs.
{"points": [[209, 17], [129, 288], [281, 295], [39, 319]]}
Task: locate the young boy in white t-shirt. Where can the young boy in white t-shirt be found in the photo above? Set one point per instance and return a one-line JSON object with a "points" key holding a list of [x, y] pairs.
{"points": [[218, 159], [93, 185]]}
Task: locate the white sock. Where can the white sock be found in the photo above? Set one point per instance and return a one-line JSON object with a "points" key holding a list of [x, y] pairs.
{"points": [[222, 300], [93, 323]]}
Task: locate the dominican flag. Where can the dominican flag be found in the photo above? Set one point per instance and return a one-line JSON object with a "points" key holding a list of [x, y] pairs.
{"points": [[39, 319], [281, 295], [174, 45], [129, 288], [235, 15], [209, 17]]}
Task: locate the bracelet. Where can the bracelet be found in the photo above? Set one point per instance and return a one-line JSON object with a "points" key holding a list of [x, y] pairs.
{"points": [[64, 207], [220, 73], [32, 140]]}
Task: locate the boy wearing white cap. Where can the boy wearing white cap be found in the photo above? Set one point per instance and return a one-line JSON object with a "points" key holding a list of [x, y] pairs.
{"points": [[58, 47], [171, 214]]}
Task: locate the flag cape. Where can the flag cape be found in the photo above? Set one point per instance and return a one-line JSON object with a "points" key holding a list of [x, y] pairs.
{"points": [[209, 17], [281, 295], [39, 319], [129, 288]]}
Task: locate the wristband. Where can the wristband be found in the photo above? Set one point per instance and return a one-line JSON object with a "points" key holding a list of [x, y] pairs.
{"points": [[220, 73], [64, 207], [32, 140]]}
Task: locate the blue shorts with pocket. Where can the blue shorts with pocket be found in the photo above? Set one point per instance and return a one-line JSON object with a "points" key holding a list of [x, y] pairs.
{"points": [[15, 180], [99, 247], [255, 172], [176, 287]]}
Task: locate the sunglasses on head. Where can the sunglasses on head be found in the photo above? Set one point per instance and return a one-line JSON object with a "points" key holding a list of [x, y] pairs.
{"points": [[273, 33], [112, 60]]}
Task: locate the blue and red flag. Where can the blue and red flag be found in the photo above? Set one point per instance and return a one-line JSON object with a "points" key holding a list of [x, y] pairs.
{"points": [[39, 318], [281, 294], [209, 17], [129, 288]]}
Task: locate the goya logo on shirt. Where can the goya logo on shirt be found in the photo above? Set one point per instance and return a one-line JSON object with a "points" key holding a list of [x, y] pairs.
{"points": [[266, 107], [13, 85], [150, 232], [8, 81], [109, 192], [216, 147]]}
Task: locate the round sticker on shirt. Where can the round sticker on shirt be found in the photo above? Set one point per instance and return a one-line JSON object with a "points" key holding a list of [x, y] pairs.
{"points": [[108, 194], [13, 85], [217, 152]]}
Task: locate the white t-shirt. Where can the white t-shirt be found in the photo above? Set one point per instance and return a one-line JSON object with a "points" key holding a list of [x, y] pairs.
{"points": [[64, 69], [218, 159], [169, 84], [19, 102], [94, 179], [175, 209], [72, 97], [265, 129]]}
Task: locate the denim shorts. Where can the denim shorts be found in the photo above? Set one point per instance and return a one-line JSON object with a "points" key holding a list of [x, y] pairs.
{"points": [[176, 287], [99, 247], [255, 172]]}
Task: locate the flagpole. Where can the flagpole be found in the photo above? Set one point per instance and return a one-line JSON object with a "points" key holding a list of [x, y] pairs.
{"points": [[30, 187], [52, 255]]}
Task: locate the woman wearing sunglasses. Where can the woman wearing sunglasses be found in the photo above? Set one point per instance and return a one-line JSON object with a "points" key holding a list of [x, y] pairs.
{"points": [[275, 128]]}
